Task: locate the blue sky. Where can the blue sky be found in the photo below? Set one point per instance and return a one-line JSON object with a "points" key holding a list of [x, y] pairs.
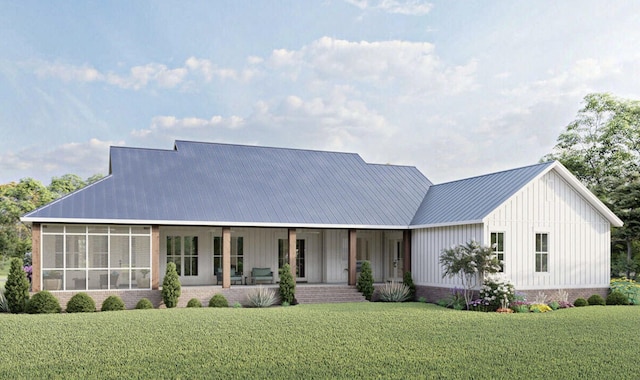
{"points": [[454, 88]]}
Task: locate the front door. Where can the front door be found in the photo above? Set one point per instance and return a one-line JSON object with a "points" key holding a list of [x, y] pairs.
{"points": [[394, 260], [283, 257]]}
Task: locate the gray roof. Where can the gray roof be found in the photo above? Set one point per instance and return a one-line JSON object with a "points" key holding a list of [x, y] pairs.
{"points": [[223, 184], [470, 200]]}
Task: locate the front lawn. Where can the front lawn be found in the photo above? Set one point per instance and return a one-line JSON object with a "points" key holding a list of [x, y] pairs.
{"points": [[363, 340]]}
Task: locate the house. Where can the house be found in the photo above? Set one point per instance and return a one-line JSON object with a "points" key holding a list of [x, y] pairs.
{"points": [[218, 211]]}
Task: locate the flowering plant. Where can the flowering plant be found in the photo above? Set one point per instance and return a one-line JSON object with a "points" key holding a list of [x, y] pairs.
{"points": [[497, 292], [539, 308]]}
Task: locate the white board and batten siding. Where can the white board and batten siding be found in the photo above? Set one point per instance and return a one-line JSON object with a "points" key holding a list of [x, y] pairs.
{"points": [[578, 236], [578, 239], [427, 245]]}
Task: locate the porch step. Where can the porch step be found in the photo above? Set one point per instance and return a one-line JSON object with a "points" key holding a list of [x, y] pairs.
{"points": [[307, 294]]}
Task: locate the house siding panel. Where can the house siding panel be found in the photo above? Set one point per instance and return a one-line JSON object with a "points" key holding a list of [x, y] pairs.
{"points": [[428, 243], [578, 236]]}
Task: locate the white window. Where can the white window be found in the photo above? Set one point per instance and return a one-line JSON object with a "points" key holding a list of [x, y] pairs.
{"points": [[183, 251], [542, 252], [237, 255], [497, 244]]}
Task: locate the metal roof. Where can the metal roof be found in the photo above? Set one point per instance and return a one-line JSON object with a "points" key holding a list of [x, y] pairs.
{"points": [[223, 184], [470, 200]]}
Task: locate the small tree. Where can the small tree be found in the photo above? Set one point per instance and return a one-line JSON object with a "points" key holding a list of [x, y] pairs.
{"points": [[287, 285], [365, 281], [408, 280], [470, 262], [16, 289], [171, 286]]}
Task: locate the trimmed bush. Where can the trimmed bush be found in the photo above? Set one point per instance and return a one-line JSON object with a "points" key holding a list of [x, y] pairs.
{"points": [[554, 305], [287, 285], [43, 303], [16, 289], [394, 292], [596, 299], [171, 288], [365, 281], [218, 300], [81, 303], [262, 297], [580, 302], [144, 303], [408, 280], [194, 302], [112, 303], [617, 298]]}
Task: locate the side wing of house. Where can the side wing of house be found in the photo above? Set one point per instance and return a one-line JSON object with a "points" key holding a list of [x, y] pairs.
{"points": [[552, 237]]}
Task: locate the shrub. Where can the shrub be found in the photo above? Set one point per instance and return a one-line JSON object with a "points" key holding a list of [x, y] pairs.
{"points": [[171, 286], [455, 301], [496, 292], [579, 302], [112, 303], [237, 305], [617, 298], [554, 305], [539, 308], [596, 299], [262, 297], [16, 289], [408, 280], [218, 300], [394, 292], [519, 306], [422, 299], [144, 303], [287, 285], [285, 303], [43, 303], [81, 303], [365, 280], [628, 287], [194, 302]]}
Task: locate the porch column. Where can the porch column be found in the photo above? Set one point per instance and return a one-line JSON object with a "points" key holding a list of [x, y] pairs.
{"points": [[36, 258], [292, 252], [352, 257], [155, 257], [226, 257], [406, 249]]}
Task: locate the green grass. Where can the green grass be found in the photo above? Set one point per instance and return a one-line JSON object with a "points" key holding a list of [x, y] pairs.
{"points": [[365, 340]]}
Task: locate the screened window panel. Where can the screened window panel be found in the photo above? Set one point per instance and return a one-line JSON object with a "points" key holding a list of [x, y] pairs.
{"points": [[52, 251], [119, 252], [141, 248], [98, 251], [76, 251]]}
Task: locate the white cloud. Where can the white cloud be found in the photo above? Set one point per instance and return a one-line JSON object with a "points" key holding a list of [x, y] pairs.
{"points": [[81, 158], [169, 126], [406, 7]]}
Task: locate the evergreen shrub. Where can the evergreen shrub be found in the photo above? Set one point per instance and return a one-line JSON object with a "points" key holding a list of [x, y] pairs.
{"points": [[113, 303], [144, 303], [408, 280], [16, 289], [617, 298], [171, 288], [43, 302], [194, 302], [596, 299], [580, 302], [287, 285], [365, 281], [218, 300], [81, 303]]}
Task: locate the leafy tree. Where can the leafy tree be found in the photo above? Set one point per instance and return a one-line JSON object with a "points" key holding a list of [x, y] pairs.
{"points": [[171, 288], [365, 280], [287, 285], [16, 289], [68, 183], [470, 262], [602, 148], [17, 199]]}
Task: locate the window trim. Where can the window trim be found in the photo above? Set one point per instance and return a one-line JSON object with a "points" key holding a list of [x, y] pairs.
{"points": [[541, 253], [497, 253]]}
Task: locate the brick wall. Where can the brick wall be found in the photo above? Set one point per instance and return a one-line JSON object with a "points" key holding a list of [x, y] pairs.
{"points": [[433, 294]]}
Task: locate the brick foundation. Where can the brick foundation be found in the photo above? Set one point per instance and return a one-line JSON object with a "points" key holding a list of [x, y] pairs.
{"points": [[433, 294]]}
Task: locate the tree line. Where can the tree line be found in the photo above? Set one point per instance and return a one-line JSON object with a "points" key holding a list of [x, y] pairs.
{"points": [[602, 148], [19, 198]]}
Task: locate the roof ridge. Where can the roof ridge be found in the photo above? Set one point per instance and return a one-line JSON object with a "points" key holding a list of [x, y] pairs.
{"points": [[265, 147], [498, 172]]}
